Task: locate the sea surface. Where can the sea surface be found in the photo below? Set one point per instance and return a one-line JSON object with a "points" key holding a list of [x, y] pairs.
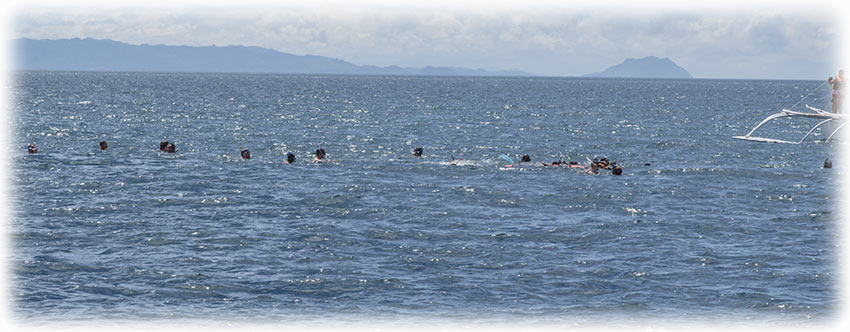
{"points": [[700, 227]]}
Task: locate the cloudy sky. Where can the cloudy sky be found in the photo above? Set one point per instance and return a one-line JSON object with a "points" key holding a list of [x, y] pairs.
{"points": [[764, 40]]}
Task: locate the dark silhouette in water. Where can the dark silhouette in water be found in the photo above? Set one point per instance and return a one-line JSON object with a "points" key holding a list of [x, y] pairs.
{"points": [[617, 170], [290, 158], [32, 149], [162, 145], [103, 145], [170, 148], [246, 154], [417, 152], [827, 163]]}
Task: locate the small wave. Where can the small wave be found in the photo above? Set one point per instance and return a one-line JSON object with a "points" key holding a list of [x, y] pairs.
{"points": [[634, 212], [691, 170], [466, 189], [777, 165], [455, 163]]}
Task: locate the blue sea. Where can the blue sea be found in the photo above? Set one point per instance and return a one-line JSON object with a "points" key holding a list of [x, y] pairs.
{"points": [[700, 227]]}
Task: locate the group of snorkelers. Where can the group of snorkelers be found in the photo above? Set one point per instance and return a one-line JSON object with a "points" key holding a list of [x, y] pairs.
{"points": [[321, 156], [290, 157], [168, 147], [593, 167]]}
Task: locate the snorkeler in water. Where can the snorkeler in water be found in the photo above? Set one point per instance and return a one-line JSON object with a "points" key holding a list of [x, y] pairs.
{"points": [[604, 163], [594, 167], [525, 159], [560, 162], [617, 170], [574, 164], [320, 155]]}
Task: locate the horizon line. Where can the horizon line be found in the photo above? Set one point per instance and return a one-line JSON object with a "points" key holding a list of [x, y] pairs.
{"points": [[408, 75]]}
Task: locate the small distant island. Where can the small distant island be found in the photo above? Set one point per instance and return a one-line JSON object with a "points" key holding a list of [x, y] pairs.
{"points": [[108, 55], [648, 67]]}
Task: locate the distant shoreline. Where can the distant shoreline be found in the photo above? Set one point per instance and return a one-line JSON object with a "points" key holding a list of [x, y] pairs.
{"points": [[107, 55]]}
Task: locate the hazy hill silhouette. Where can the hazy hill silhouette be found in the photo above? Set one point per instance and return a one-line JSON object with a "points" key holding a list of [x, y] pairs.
{"points": [[108, 55], [648, 67]]}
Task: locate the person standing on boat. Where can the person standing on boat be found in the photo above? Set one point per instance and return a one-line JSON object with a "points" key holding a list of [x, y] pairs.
{"points": [[831, 81], [838, 92]]}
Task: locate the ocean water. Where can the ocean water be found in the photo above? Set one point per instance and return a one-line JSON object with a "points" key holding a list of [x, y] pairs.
{"points": [[699, 227]]}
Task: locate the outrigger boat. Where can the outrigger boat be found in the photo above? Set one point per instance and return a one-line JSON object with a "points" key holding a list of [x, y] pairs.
{"points": [[826, 117]]}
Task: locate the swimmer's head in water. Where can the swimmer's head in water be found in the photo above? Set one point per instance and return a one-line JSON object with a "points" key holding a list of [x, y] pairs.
{"points": [[246, 154], [320, 153], [31, 148], [170, 148], [525, 159], [417, 152], [617, 170], [162, 145], [290, 157], [103, 145]]}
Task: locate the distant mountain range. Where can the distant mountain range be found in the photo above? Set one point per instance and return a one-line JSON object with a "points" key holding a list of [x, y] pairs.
{"points": [[108, 55], [648, 67]]}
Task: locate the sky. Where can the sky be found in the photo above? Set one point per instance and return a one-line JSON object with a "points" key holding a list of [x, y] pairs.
{"points": [[762, 40]]}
